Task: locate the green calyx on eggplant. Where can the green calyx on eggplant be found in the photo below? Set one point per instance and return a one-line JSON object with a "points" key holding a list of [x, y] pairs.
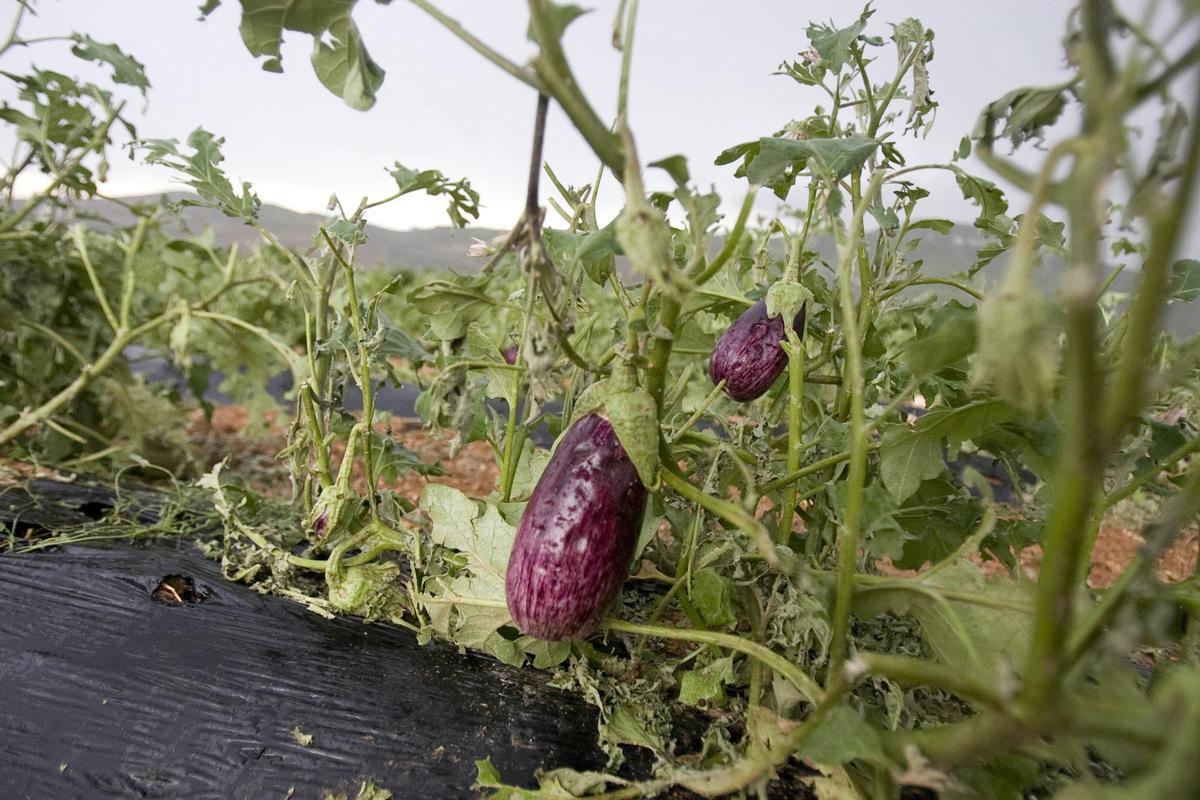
{"points": [[576, 538], [749, 356]]}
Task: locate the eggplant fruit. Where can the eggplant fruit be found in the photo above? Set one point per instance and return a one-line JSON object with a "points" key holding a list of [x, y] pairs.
{"points": [[748, 356], [576, 538]]}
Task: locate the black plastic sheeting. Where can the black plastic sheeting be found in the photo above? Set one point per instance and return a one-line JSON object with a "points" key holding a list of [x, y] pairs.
{"points": [[106, 692], [137, 671]]}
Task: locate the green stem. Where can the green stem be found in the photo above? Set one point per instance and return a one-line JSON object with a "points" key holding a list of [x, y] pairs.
{"points": [[452, 25], [918, 672], [811, 469], [804, 684], [731, 242], [730, 512], [559, 82], [855, 482]]}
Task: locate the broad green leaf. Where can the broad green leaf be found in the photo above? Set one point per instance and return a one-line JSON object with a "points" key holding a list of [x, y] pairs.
{"points": [[836, 45], [830, 159], [843, 737], [1026, 113], [987, 640], [346, 231], [712, 593], [344, 66], [942, 226], [982, 193], [1176, 771], [675, 166], [949, 339], [624, 727], [463, 200], [911, 455], [339, 58]]}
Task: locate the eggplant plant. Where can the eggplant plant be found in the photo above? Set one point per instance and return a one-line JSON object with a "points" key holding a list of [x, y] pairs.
{"points": [[768, 582]]}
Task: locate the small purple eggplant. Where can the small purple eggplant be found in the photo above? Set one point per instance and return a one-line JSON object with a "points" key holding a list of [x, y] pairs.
{"points": [[576, 538], [748, 355], [511, 353]]}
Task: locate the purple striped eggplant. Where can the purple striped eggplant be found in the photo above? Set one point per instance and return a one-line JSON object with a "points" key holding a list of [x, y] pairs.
{"points": [[748, 356], [576, 538]]}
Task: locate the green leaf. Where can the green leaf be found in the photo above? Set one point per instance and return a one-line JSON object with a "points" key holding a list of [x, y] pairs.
{"points": [[949, 339], [347, 231], [712, 593], [988, 640], [624, 727], [707, 684], [341, 62], [911, 455], [1026, 113], [1185, 280], [464, 201], [675, 166], [344, 66], [942, 226], [125, 68], [843, 737], [836, 45], [982, 193], [484, 541], [202, 171], [830, 159]]}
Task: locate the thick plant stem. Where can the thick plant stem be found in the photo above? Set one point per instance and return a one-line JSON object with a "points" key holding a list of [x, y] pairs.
{"points": [[1080, 470], [555, 73], [848, 537], [1145, 314]]}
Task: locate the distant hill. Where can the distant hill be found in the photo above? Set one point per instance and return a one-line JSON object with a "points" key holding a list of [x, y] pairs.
{"points": [[446, 247], [430, 248]]}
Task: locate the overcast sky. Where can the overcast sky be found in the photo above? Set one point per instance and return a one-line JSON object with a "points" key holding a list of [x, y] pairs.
{"points": [[701, 82]]}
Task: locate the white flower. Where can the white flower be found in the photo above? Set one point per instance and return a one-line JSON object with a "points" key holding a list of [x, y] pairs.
{"points": [[479, 249]]}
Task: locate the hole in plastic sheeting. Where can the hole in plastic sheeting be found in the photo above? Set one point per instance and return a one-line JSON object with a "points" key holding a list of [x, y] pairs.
{"points": [[175, 590]]}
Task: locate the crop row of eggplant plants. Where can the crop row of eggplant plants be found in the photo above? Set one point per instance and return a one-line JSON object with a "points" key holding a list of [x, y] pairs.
{"points": [[749, 508]]}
